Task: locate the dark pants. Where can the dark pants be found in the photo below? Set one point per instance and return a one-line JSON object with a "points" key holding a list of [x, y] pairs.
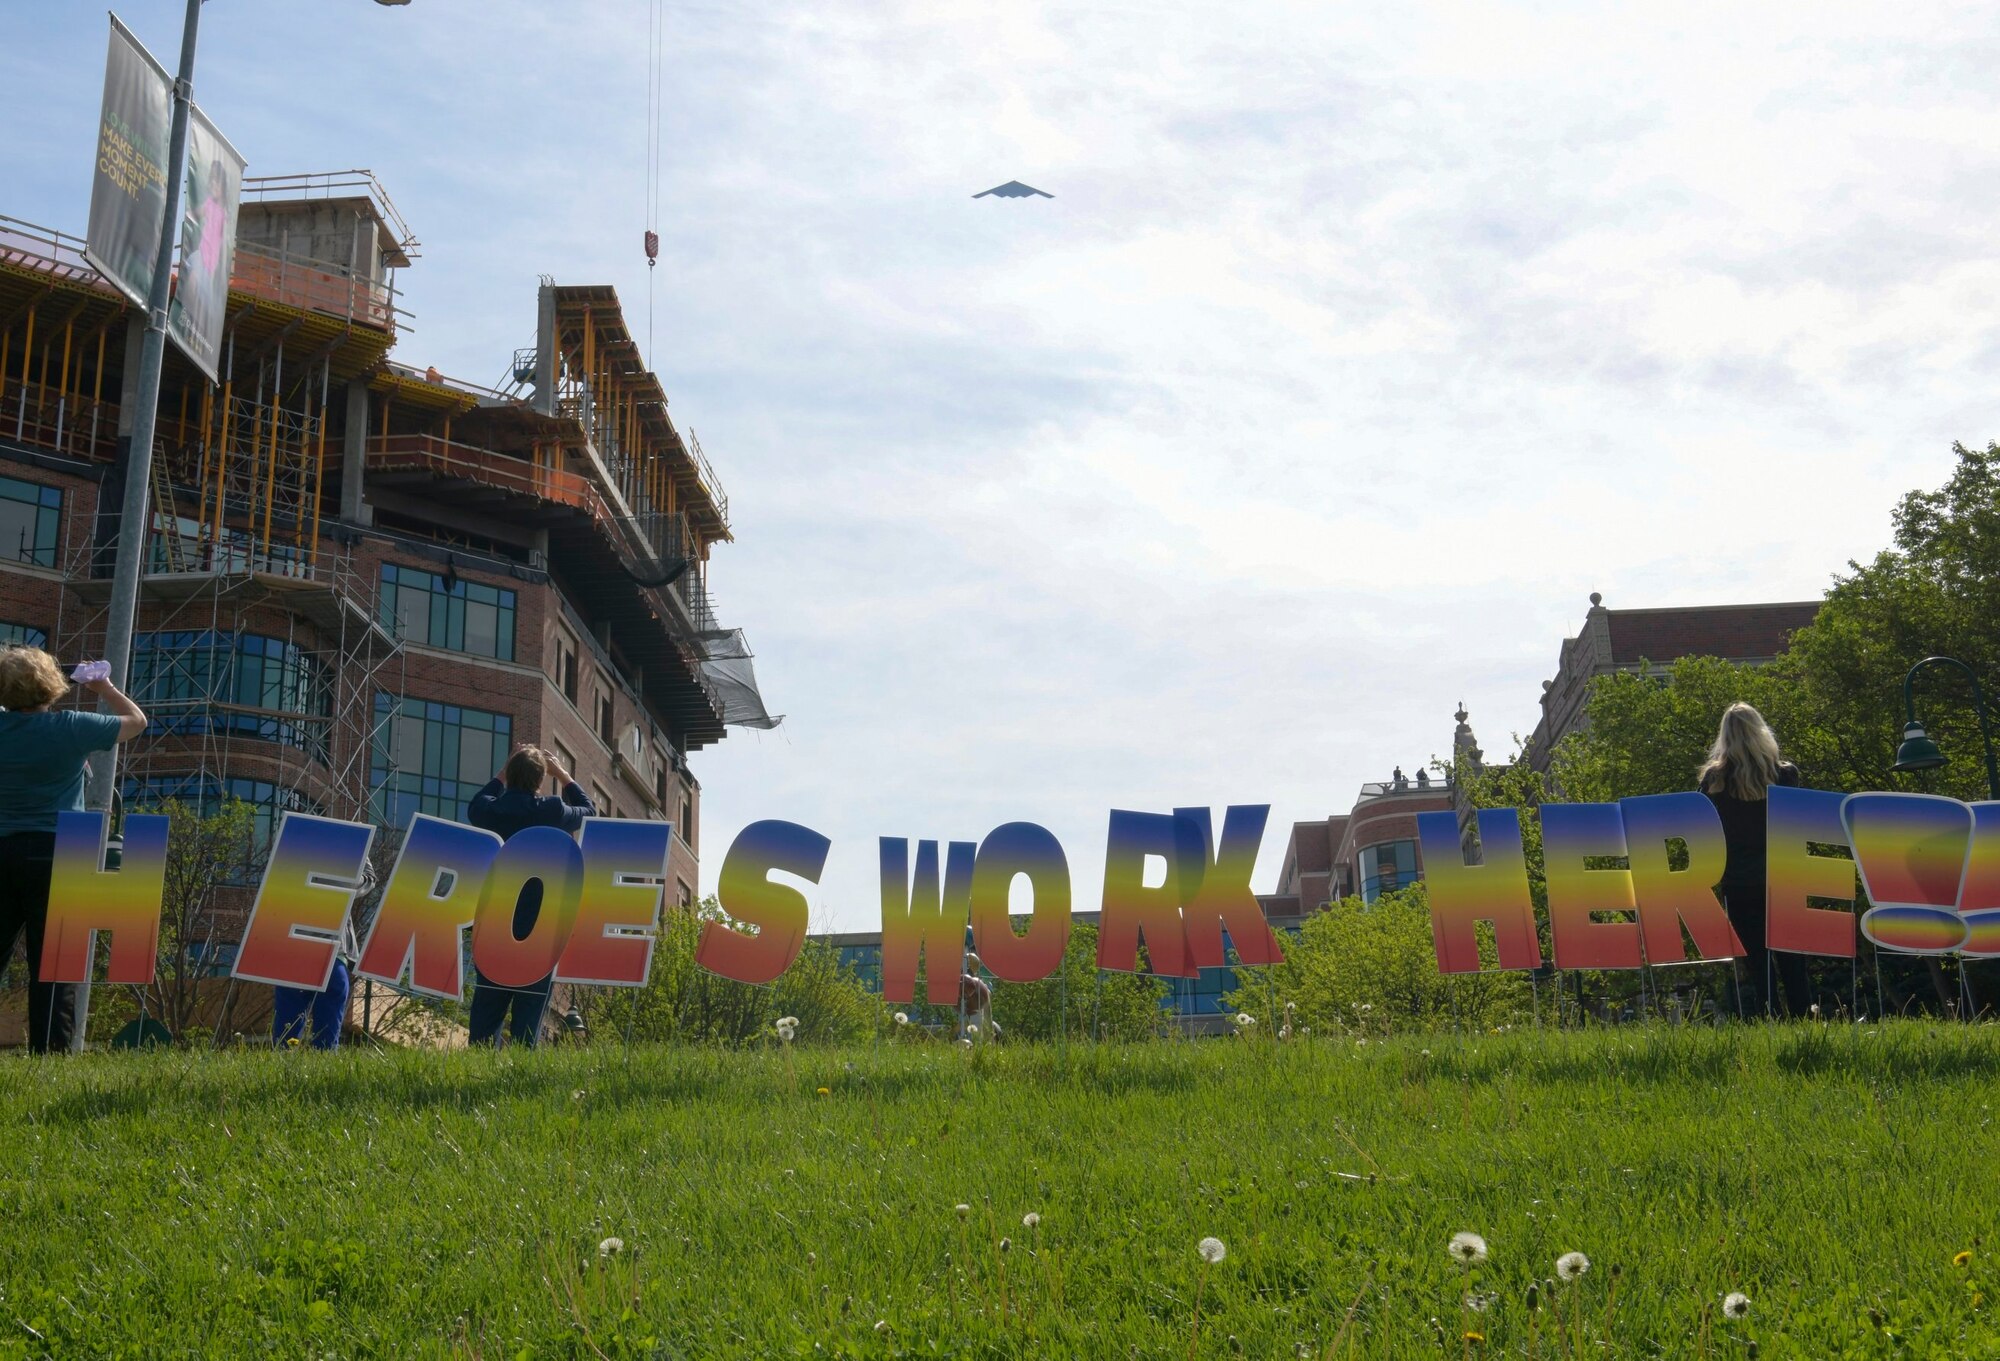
{"points": [[1755, 993], [25, 861], [293, 1008], [491, 1003]]}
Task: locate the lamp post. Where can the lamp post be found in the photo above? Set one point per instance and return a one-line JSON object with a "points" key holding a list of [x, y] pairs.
{"points": [[1918, 751], [136, 463]]}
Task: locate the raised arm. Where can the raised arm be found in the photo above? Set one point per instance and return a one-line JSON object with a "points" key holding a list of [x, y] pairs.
{"points": [[131, 718], [576, 805]]}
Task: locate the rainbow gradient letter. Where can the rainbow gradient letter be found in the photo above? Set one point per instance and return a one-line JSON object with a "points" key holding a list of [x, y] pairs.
{"points": [[1912, 851], [1793, 819], [85, 898], [1979, 896], [1010, 849], [432, 896], [624, 877], [921, 922], [547, 855], [1570, 833], [1215, 888], [1670, 898], [1131, 909], [309, 885], [1494, 890], [748, 896]]}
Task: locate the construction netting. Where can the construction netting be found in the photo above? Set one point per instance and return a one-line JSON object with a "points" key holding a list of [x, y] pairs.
{"points": [[727, 666]]}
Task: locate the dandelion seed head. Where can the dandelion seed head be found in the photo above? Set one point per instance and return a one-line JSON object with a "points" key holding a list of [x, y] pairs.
{"points": [[1571, 1265], [1244, 1018], [1211, 1250], [1735, 1304], [1479, 1302], [611, 1247], [1468, 1247], [902, 1018], [962, 1210], [881, 1325], [972, 1028], [1031, 1220]]}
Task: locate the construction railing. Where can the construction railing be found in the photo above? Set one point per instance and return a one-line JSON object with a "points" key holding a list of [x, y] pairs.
{"points": [[332, 184], [47, 251], [310, 285], [428, 453]]}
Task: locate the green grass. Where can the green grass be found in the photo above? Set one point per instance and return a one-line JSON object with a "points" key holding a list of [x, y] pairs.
{"points": [[398, 1204]]}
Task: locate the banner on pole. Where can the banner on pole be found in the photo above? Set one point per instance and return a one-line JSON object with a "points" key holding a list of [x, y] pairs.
{"points": [[128, 194], [208, 244]]}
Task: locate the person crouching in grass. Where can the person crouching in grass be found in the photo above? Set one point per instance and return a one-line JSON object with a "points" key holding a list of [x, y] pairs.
{"points": [[511, 803], [42, 751]]}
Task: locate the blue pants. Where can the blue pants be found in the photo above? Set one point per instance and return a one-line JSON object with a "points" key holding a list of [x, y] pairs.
{"points": [[293, 1007], [491, 1003]]}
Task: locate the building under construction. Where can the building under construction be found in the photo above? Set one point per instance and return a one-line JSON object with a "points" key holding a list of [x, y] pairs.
{"points": [[366, 582]]}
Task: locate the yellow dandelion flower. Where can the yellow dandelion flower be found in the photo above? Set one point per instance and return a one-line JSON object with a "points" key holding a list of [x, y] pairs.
{"points": [[1962, 1258], [1480, 1338], [826, 1091]]}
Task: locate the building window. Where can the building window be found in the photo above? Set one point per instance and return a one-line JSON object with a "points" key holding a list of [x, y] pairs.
{"points": [[23, 635], [448, 612], [432, 758], [660, 782], [565, 665], [687, 816], [604, 716], [214, 681], [30, 515], [686, 893], [1387, 867], [601, 800]]}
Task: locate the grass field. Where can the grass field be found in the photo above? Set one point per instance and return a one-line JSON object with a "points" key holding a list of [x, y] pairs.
{"points": [[397, 1204]]}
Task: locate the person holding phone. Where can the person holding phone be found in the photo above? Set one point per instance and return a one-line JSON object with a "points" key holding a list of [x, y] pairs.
{"points": [[511, 803], [42, 753]]}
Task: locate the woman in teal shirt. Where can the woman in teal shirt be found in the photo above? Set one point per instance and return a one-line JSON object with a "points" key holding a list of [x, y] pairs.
{"points": [[42, 753]]}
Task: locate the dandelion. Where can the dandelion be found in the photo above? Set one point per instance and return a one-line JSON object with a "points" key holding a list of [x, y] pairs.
{"points": [[1031, 1220], [881, 1325], [826, 1091], [902, 1018], [611, 1247], [1735, 1305], [965, 1040], [1006, 1243], [1291, 1006], [962, 1210], [292, 1043], [1815, 1010], [972, 1028], [1962, 1258], [1244, 1020], [1477, 1339], [1211, 1251], [1367, 1007], [1468, 1248], [1571, 1265], [787, 1028], [1533, 1299], [1479, 1303]]}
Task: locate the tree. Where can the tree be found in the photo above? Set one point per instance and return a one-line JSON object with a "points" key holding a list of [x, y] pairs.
{"points": [[207, 852]]}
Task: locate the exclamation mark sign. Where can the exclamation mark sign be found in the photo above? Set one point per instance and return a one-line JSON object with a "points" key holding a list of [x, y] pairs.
{"points": [[1979, 898], [1912, 850]]}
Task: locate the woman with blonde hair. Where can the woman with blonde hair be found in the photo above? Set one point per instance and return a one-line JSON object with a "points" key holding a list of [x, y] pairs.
{"points": [[1743, 764], [42, 751]]}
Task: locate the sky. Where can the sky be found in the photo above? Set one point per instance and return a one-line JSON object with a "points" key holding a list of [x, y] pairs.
{"points": [[1358, 345]]}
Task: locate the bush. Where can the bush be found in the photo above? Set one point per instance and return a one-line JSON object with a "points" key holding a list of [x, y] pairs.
{"points": [[1372, 969], [684, 1003]]}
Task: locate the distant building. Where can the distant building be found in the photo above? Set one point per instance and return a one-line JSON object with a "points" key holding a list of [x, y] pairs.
{"points": [[1367, 851], [1651, 641]]}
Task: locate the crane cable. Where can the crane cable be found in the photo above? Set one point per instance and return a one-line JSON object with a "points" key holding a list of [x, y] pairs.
{"points": [[655, 102]]}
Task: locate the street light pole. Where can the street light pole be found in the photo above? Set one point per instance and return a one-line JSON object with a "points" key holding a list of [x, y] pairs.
{"points": [[1918, 751], [138, 459]]}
